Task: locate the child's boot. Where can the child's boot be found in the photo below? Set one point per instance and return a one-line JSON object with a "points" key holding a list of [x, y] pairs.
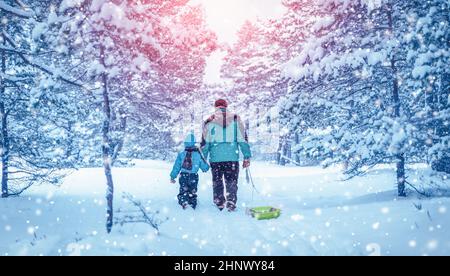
{"points": [[231, 207]]}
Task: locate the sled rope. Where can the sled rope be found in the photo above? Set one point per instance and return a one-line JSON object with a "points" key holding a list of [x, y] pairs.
{"points": [[250, 181]]}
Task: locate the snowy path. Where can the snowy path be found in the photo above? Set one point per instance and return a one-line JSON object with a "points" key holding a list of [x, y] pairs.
{"points": [[321, 216]]}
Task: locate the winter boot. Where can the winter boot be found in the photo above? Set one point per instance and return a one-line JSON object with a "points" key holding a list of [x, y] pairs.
{"points": [[231, 207]]}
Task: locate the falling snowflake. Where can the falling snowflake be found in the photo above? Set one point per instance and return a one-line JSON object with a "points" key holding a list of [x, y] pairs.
{"points": [[297, 217], [432, 244], [31, 230]]}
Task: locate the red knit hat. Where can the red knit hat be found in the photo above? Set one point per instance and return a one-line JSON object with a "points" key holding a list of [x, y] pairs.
{"points": [[221, 103]]}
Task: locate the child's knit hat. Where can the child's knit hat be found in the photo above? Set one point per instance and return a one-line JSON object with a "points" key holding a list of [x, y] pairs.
{"points": [[189, 142]]}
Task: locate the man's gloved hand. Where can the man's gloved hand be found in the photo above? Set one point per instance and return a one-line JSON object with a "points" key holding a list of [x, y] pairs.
{"points": [[246, 163], [173, 181]]}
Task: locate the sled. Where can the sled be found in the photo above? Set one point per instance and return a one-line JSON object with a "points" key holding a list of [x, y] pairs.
{"points": [[267, 212]]}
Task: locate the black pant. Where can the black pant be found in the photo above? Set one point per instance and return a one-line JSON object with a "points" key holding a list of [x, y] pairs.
{"points": [[228, 171], [188, 189]]}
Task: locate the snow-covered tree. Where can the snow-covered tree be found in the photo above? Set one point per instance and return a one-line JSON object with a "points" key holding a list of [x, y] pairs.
{"points": [[350, 96], [427, 43], [132, 58], [252, 70], [175, 85], [34, 134]]}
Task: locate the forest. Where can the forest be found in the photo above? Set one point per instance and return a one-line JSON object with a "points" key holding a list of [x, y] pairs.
{"points": [[354, 84]]}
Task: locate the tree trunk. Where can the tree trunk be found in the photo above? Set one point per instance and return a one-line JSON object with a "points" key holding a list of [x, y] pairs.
{"points": [[297, 154], [287, 154], [5, 149], [401, 175], [401, 178], [109, 196], [4, 131], [280, 159], [442, 163], [106, 147]]}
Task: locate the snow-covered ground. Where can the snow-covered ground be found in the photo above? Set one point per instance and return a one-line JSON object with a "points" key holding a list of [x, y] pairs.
{"points": [[321, 216]]}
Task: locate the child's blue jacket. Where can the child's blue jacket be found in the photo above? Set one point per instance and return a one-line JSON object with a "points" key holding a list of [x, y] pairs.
{"points": [[197, 163]]}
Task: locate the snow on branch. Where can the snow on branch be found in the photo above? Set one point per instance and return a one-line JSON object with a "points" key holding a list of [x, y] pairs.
{"points": [[18, 12], [41, 67], [12, 50], [12, 79]]}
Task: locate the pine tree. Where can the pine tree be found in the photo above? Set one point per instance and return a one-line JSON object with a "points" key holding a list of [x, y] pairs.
{"points": [[32, 140], [130, 58], [350, 96]]}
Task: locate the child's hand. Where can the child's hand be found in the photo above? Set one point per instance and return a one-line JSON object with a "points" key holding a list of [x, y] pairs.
{"points": [[173, 181]]}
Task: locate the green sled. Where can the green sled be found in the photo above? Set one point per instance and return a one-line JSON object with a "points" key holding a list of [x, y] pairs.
{"points": [[266, 212]]}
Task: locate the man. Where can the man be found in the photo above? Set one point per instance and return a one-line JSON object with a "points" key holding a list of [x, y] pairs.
{"points": [[223, 138]]}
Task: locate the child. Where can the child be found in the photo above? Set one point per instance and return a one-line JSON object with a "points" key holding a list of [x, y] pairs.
{"points": [[188, 163]]}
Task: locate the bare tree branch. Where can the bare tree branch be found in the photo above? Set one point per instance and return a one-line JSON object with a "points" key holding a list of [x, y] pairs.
{"points": [[144, 216]]}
